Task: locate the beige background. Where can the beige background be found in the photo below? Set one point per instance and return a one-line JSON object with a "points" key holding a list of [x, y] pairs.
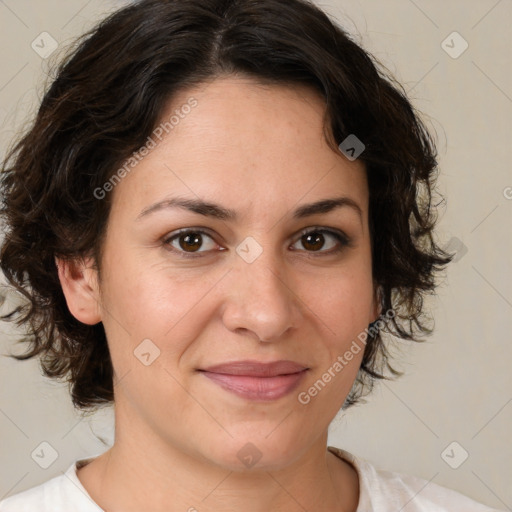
{"points": [[458, 385]]}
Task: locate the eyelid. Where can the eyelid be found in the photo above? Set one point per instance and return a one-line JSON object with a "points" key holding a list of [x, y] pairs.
{"points": [[322, 229], [340, 236], [175, 234], [342, 239], [181, 231]]}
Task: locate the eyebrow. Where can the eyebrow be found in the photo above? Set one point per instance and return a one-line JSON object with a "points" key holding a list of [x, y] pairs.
{"points": [[216, 211]]}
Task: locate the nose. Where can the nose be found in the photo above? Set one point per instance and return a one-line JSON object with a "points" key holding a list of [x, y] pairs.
{"points": [[260, 299]]}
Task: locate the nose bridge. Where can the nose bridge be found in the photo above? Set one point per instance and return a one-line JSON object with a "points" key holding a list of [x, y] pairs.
{"points": [[260, 299]]}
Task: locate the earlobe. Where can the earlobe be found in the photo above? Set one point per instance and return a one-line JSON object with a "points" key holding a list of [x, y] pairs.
{"points": [[79, 282]]}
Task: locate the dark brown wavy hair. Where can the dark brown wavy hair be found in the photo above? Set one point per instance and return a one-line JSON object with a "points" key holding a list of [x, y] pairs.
{"points": [[106, 99]]}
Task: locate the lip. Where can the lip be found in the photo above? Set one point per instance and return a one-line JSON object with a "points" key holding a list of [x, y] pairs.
{"points": [[255, 380]]}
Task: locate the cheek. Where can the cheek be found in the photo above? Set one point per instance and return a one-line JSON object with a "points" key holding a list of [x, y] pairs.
{"points": [[152, 322], [342, 302], [143, 302], [341, 311]]}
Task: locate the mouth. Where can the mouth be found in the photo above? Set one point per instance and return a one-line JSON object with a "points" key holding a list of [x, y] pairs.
{"points": [[257, 381]]}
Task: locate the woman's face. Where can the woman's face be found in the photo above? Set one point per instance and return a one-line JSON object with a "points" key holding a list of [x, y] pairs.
{"points": [[258, 276]]}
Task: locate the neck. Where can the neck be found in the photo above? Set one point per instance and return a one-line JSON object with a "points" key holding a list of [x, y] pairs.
{"points": [[163, 477]]}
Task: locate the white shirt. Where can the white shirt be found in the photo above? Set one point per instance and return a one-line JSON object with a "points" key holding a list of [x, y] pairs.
{"points": [[380, 491]]}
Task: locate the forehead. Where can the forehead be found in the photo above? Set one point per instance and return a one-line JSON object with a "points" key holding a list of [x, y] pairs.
{"points": [[243, 141]]}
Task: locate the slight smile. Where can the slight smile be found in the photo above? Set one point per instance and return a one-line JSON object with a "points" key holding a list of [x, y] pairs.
{"points": [[257, 381]]}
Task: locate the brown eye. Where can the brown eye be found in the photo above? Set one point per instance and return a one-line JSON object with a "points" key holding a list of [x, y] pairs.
{"points": [[315, 240], [190, 242]]}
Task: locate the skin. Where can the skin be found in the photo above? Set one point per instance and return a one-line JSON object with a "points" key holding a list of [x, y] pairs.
{"points": [[259, 150]]}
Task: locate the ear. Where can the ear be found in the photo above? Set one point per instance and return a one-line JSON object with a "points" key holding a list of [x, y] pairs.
{"points": [[377, 308], [79, 282]]}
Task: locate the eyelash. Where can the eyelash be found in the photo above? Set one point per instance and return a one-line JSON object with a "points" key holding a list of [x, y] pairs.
{"points": [[341, 238]]}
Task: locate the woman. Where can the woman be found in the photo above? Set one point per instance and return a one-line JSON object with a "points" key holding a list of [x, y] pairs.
{"points": [[218, 209]]}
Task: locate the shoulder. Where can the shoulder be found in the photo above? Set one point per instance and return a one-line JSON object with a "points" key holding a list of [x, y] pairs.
{"points": [[387, 491], [55, 495]]}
